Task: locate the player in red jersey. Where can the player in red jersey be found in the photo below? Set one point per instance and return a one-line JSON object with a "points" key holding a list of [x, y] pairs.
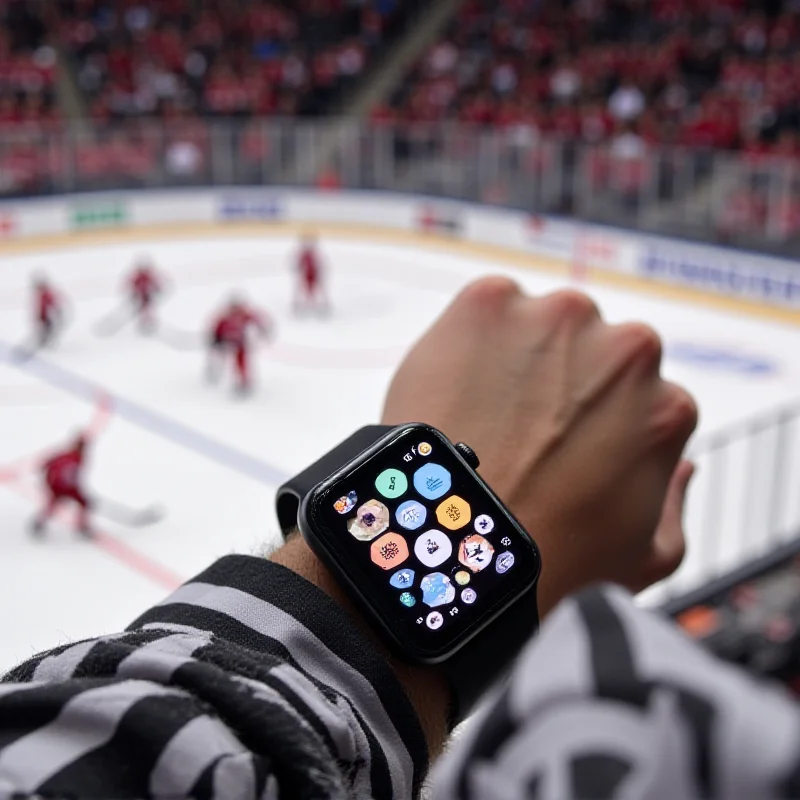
{"points": [[62, 474], [48, 311], [143, 286], [309, 291], [231, 335]]}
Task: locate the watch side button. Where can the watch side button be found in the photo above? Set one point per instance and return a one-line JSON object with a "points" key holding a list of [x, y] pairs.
{"points": [[468, 455]]}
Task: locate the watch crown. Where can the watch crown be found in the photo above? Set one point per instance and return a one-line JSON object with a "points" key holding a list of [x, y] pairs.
{"points": [[468, 455]]}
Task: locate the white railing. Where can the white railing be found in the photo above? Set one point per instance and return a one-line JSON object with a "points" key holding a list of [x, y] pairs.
{"points": [[713, 196], [743, 503]]}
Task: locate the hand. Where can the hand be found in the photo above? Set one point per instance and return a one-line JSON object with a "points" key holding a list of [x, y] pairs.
{"points": [[669, 541], [575, 428]]}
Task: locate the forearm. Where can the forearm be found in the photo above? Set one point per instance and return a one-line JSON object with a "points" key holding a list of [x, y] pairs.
{"points": [[425, 687], [247, 673]]}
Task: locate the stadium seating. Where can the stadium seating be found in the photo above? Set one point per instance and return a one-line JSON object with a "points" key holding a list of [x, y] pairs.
{"points": [[223, 57], [713, 73]]}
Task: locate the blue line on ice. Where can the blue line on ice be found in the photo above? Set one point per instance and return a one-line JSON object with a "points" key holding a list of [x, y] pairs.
{"points": [[143, 417]]}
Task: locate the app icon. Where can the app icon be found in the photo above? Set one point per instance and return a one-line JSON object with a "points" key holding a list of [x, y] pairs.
{"points": [[371, 519], [453, 612], [391, 483], [505, 541], [408, 599], [475, 552], [433, 548], [437, 590], [504, 562], [402, 579], [346, 503], [424, 449], [484, 523], [411, 514], [434, 620], [469, 596], [432, 481], [462, 577], [389, 551], [454, 513]]}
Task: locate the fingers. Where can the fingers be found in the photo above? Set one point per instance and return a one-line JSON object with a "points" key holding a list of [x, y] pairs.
{"points": [[669, 542], [569, 306], [675, 417], [487, 295], [639, 344], [676, 493], [675, 499]]}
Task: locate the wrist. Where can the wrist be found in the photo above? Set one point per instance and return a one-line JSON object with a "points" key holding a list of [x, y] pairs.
{"points": [[425, 686]]}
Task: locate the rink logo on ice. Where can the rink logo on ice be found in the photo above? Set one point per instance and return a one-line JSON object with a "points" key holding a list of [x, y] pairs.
{"points": [[722, 272], [240, 209], [438, 219], [106, 215], [719, 357]]}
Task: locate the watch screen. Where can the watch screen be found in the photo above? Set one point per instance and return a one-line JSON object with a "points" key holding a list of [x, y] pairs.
{"points": [[429, 548]]}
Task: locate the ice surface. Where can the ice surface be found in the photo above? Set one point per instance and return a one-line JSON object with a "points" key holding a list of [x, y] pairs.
{"points": [[214, 459]]}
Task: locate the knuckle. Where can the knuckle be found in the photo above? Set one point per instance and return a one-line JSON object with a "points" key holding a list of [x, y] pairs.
{"points": [[687, 411], [679, 413], [571, 304], [491, 292], [644, 343]]}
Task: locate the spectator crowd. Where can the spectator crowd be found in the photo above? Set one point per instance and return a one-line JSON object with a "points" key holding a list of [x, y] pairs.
{"points": [[621, 77], [703, 73], [223, 57]]}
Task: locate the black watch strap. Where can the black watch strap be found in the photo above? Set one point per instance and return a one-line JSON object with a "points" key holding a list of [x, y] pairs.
{"points": [[484, 659], [291, 494], [488, 657]]}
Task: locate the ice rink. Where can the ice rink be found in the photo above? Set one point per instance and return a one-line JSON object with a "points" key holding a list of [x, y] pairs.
{"points": [[213, 459]]}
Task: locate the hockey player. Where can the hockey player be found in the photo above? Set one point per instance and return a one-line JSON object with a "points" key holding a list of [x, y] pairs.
{"points": [[309, 291], [48, 311], [143, 286], [62, 478], [230, 335]]}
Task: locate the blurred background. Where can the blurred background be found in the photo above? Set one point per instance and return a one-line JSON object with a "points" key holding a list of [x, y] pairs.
{"points": [[670, 116]]}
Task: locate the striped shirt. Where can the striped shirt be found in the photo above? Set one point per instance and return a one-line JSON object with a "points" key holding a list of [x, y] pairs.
{"points": [[249, 682]]}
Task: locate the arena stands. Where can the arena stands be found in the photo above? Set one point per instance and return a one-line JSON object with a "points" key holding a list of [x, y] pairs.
{"points": [[716, 73], [670, 115], [629, 101], [223, 57], [27, 66]]}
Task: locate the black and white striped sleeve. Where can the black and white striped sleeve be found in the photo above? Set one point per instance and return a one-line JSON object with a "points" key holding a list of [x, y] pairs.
{"points": [[611, 701], [247, 682]]}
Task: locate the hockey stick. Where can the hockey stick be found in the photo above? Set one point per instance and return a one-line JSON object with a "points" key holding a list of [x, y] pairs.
{"points": [[113, 322], [179, 339], [24, 351], [130, 517]]}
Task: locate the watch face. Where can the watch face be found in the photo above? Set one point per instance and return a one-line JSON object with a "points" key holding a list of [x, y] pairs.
{"points": [[423, 541]]}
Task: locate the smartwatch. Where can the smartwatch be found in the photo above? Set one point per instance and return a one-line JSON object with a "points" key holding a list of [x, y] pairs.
{"points": [[437, 564]]}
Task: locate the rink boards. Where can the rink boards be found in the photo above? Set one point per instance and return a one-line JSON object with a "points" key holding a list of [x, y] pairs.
{"points": [[721, 277]]}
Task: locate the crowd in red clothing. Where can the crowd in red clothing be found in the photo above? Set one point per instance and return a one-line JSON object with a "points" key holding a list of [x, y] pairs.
{"points": [[27, 67], [222, 57], [702, 73], [620, 77]]}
